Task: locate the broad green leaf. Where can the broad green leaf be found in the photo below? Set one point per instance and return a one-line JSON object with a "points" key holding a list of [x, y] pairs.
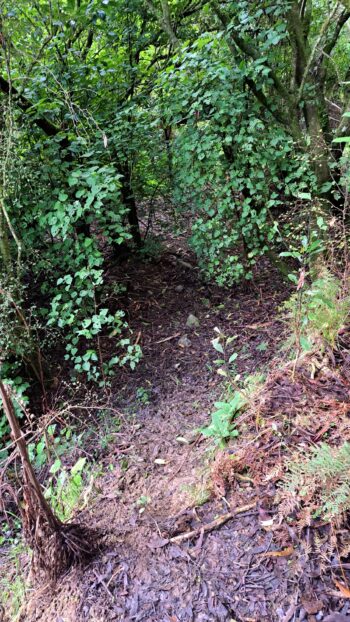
{"points": [[342, 139], [56, 466], [217, 345], [78, 466]]}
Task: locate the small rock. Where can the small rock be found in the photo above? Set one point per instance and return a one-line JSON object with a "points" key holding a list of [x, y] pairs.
{"points": [[192, 321], [182, 440], [312, 606], [179, 288], [184, 342]]}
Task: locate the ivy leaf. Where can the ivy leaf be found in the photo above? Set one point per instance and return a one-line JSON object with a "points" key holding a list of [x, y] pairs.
{"points": [[306, 196]]}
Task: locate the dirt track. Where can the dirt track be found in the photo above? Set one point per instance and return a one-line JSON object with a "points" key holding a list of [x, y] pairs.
{"points": [[159, 484]]}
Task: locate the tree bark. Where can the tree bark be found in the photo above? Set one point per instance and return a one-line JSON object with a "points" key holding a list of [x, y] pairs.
{"points": [[5, 245], [31, 481], [129, 201], [56, 545]]}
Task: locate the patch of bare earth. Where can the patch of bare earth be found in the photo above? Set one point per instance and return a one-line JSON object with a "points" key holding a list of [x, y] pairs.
{"points": [[158, 486]]}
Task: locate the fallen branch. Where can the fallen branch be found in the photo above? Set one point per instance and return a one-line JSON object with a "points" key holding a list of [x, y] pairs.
{"points": [[221, 520], [262, 326], [184, 264], [167, 338]]}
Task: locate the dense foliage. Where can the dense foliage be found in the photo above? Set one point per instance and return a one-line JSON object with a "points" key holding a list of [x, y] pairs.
{"points": [[235, 113]]}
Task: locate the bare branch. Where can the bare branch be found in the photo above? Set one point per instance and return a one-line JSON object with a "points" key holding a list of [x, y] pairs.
{"points": [[343, 18], [44, 124], [164, 19], [328, 21]]}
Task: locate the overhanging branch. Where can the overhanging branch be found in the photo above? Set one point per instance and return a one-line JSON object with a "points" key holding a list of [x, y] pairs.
{"points": [[326, 24], [249, 49], [49, 128]]}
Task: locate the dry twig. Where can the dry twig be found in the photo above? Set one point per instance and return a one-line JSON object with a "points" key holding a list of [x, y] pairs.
{"points": [[221, 520]]}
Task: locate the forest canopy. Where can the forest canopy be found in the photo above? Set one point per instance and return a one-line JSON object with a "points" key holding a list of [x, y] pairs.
{"points": [[115, 113]]}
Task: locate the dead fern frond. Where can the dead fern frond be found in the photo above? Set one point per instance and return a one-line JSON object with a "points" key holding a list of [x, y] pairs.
{"points": [[321, 480]]}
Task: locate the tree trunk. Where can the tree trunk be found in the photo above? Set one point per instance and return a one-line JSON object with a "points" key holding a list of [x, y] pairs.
{"points": [[4, 246], [129, 201], [168, 145], [56, 545], [319, 151], [28, 471]]}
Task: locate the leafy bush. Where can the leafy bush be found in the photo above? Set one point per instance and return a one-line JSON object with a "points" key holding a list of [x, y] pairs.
{"points": [[320, 311], [222, 426], [66, 266], [66, 487], [231, 164]]}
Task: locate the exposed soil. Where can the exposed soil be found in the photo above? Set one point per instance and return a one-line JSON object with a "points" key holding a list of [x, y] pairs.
{"points": [[244, 570]]}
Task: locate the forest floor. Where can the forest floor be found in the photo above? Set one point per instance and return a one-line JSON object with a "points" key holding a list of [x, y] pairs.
{"points": [[163, 479]]}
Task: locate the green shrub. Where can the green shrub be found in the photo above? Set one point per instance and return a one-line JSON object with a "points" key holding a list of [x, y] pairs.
{"points": [[13, 582], [66, 487], [222, 426], [231, 164], [319, 311]]}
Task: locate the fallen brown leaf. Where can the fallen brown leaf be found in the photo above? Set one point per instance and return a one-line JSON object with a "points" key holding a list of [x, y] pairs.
{"points": [[345, 591], [284, 553], [301, 279]]}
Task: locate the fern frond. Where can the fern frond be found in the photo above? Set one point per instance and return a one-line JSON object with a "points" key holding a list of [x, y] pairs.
{"points": [[323, 478]]}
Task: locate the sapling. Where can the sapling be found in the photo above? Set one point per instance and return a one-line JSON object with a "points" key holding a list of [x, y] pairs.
{"points": [[55, 545]]}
